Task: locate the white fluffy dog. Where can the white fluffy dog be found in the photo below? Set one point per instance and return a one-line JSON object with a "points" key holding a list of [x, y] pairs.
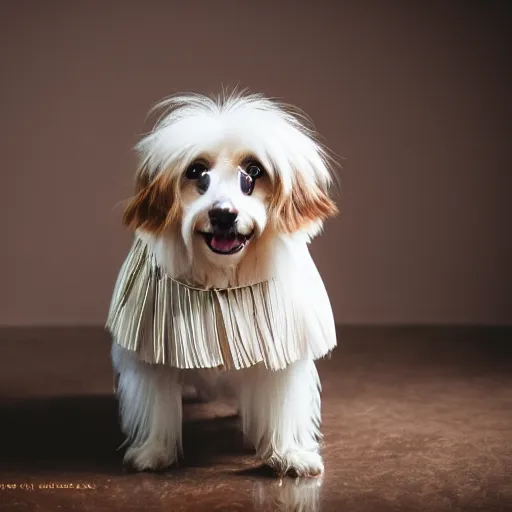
{"points": [[229, 193]]}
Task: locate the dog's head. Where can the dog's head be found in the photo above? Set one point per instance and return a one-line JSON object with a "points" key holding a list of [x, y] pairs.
{"points": [[224, 171]]}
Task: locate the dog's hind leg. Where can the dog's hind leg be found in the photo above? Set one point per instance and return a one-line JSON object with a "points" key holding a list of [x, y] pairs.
{"points": [[281, 417], [200, 385], [150, 409]]}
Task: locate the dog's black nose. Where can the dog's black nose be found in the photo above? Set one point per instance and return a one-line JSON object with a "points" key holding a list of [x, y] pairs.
{"points": [[222, 216]]}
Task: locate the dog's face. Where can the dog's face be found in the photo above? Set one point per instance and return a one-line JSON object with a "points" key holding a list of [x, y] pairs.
{"points": [[222, 173], [226, 196]]}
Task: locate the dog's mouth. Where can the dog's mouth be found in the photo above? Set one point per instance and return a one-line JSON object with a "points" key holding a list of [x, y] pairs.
{"points": [[226, 243]]}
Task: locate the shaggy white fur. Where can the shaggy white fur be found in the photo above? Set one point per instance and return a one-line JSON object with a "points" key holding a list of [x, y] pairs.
{"points": [[234, 141]]}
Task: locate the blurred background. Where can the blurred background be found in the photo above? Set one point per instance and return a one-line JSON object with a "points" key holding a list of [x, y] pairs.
{"points": [[413, 96]]}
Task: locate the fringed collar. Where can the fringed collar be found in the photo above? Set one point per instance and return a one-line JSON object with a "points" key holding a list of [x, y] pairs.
{"points": [[169, 322]]}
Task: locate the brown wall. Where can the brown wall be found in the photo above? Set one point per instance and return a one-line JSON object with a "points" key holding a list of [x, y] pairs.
{"points": [[415, 98]]}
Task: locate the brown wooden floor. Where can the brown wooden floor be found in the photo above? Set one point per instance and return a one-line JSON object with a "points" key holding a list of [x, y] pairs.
{"points": [[414, 419]]}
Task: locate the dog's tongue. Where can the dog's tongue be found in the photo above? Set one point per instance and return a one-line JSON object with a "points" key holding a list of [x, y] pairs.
{"points": [[225, 244]]}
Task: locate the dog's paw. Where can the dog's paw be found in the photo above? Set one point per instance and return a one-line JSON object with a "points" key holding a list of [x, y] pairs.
{"points": [[300, 463], [149, 456]]}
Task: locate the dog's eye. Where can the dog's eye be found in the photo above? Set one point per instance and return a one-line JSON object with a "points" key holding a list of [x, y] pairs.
{"points": [[198, 172], [246, 183], [249, 173], [195, 171], [254, 170]]}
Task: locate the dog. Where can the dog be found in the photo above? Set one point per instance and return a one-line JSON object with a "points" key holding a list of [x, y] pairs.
{"points": [[230, 190]]}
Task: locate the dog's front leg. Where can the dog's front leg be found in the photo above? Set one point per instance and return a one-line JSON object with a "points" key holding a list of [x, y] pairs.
{"points": [[150, 408], [281, 417]]}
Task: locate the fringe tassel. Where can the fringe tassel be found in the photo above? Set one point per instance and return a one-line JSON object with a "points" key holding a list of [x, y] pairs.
{"points": [[168, 322]]}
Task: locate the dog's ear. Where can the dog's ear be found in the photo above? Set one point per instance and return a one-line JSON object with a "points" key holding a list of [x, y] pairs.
{"points": [[305, 206], [154, 205]]}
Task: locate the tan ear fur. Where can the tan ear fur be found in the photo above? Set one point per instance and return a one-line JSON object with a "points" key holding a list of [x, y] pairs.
{"points": [[155, 204], [302, 207]]}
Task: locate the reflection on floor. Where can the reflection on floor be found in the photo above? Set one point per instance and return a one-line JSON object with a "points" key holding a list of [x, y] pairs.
{"points": [[414, 419]]}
